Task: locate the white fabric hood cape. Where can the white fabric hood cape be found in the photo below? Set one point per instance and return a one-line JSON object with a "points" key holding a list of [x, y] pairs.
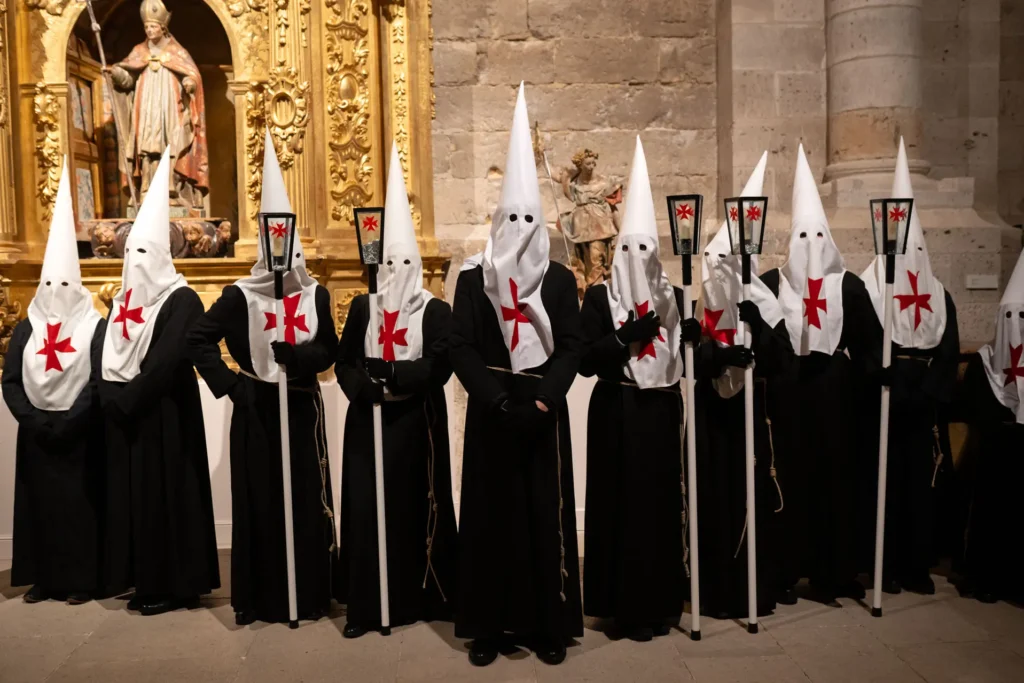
{"points": [[811, 282], [919, 311], [57, 362], [1004, 358], [401, 297], [300, 319], [639, 284], [722, 283], [516, 257], [148, 277]]}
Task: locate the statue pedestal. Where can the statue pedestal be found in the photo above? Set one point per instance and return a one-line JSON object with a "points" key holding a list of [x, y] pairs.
{"points": [[190, 237]]}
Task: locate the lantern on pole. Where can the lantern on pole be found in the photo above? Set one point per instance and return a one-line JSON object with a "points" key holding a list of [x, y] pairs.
{"points": [[890, 224], [684, 211], [369, 223], [745, 217]]}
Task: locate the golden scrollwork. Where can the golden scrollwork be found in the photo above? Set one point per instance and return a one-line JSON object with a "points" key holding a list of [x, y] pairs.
{"points": [[348, 106], [3, 64], [342, 302], [286, 100], [46, 114], [282, 28], [107, 292], [304, 9], [54, 7], [253, 31], [255, 125], [10, 313], [240, 7]]}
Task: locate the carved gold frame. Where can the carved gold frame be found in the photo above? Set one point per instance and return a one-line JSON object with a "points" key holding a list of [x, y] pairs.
{"points": [[335, 80]]}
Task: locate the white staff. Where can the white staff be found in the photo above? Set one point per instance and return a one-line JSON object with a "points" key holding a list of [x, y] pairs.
{"points": [[286, 457], [684, 213], [369, 230]]}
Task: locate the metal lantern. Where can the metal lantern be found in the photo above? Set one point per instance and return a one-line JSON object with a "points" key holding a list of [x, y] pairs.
{"points": [[370, 233], [684, 216], [277, 230], [890, 224], [746, 218]]}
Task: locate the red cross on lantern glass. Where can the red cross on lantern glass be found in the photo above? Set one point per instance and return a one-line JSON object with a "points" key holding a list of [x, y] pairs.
{"points": [[277, 234], [369, 222]]}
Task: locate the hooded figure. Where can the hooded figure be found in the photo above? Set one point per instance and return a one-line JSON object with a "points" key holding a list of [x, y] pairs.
{"points": [[925, 356], [245, 318], [991, 400], [721, 443], [634, 532], [162, 544], [49, 385], [816, 416], [516, 347], [407, 376]]}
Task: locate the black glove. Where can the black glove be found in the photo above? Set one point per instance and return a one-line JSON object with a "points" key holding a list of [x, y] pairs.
{"points": [[751, 314], [736, 356], [690, 331], [371, 392], [284, 353], [379, 369], [237, 392], [887, 376], [636, 330], [524, 415]]}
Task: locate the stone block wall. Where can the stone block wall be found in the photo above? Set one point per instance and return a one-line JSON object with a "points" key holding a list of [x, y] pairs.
{"points": [[597, 73], [1011, 112]]}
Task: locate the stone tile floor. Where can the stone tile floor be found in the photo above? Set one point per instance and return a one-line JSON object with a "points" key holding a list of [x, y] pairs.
{"points": [[939, 639]]}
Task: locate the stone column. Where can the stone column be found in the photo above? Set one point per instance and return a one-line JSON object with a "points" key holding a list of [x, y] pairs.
{"points": [[874, 84]]}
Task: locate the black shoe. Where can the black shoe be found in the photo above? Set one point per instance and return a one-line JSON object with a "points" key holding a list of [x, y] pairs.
{"points": [[661, 630], [923, 585], [851, 589], [786, 596], [986, 596], [155, 606], [353, 631], [135, 602], [551, 651], [482, 652], [245, 617], [639, 634], [891, 586], [35, 594], [78, 598]]}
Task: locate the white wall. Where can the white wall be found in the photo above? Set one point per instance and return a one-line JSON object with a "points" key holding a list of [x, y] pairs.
{"points": [[217, 417]]}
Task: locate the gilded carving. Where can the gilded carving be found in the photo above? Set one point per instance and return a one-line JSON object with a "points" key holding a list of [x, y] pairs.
{"points": [[3, 64], [10, 312], [254, 31], [287, 112], [54, 7], [240, 7], [342, 302], [46, 114], [282, 27], [348, 106], [255, 125], [304, 9], [107, 293]]}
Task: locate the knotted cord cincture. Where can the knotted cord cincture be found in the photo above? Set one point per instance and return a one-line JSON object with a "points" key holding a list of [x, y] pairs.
{"points": [[432, 515], [771, 470], [682, 486]]}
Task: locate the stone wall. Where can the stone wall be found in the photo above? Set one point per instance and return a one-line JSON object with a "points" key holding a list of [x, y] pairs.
{"points": [[597, 72], [1011, 112]]}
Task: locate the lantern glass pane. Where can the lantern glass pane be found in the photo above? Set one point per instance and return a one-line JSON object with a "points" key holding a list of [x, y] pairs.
{"points": [[732, 219], [878, 220], [684, 219], [905, 208], [277, 230], [754, 210], [369, 223]]}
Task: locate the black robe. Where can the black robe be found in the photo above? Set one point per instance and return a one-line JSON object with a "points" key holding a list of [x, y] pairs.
{"points": [[922, 388], [259, 578], [817, 420], [159, 510], [57, 479], [511, 575], [722, 481], [419, 514], [633, 532], [993, 555]]}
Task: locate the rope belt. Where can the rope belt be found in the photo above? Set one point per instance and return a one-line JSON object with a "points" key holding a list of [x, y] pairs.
{"points": [[771, 471], [682, 485], [563, 574], [674, 389], [937, 454], [432, 515]]}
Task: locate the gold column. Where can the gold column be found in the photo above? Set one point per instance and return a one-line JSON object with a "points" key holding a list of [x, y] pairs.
{"points": [[8, 226]]}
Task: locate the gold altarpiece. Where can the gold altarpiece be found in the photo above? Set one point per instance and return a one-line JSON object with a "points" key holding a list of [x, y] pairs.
{"points": [[335, 80]]}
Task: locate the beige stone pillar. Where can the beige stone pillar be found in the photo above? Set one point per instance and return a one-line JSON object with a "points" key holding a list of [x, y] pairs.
{"points": [[874, 84]]}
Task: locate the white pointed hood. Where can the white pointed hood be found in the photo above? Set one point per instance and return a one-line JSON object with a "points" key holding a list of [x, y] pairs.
{"points": [[811, 282], [401, 299], [639, 284], [148, 277], [1004, 358], [516, 257], [919, 311], [301, 321], [722, 283], [56, 363]]}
